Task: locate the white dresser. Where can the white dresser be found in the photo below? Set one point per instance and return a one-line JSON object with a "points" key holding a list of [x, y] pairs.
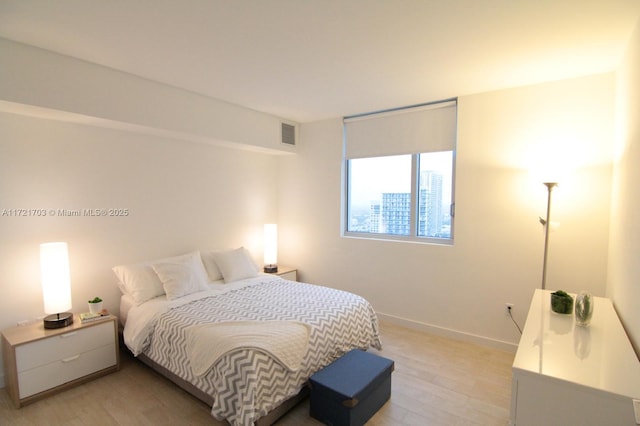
{"points": [[564, 374]]}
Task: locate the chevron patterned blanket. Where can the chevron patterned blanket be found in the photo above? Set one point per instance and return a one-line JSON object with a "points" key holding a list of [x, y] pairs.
{"points": [[248, 383], [284, 341]]}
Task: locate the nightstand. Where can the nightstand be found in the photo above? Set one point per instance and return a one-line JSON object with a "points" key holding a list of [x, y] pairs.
{"points": [[287, 273], [40, 362]]}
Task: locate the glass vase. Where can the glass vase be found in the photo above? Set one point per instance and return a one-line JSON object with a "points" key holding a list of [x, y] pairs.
{"points": [[584, 308]]}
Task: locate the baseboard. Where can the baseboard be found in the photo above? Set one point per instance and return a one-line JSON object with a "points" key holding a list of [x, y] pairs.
{"points": [[447, 332]]}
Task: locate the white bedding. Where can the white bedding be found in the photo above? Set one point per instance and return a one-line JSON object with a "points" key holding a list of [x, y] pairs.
{"points": [[139, 320], [285, 341], [248, 383]]}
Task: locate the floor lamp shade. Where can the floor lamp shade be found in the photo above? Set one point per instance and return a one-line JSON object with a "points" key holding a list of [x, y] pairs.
{"points": [[56, 284], [271, 247]]}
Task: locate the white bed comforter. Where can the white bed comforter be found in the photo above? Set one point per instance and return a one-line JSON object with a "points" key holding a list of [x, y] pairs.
{"points": [[248, 383]]}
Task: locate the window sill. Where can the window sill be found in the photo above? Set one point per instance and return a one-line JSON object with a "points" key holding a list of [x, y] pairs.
{"points": [[398, 238]]}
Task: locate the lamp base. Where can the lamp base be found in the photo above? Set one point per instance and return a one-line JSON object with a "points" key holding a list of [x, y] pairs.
{"points": [[270, 269], [60, 320]]}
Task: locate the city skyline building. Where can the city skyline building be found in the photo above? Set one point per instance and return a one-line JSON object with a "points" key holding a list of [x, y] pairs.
{"points": [[430, 217], [396, 213], [391, 213]]}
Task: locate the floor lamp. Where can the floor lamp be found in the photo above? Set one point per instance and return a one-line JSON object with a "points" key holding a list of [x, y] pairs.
{"points": [[546, 223]]}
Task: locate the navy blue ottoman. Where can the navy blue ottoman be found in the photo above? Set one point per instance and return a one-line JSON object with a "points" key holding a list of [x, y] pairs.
{"points": [[350, 390]]}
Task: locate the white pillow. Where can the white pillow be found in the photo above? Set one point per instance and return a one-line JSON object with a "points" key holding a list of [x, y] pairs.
{"points": [[235, 264], [139, 281], [182, 275], [210, 265]]}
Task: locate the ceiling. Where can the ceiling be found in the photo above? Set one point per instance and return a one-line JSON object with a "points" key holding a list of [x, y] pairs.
{"points": [[307, 60]]}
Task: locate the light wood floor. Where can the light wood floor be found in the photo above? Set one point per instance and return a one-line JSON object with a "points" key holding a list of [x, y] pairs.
{"points": [[437, 381]]}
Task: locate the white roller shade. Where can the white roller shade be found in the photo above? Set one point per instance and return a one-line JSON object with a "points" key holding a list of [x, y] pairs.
{"points": [[426, 128]]}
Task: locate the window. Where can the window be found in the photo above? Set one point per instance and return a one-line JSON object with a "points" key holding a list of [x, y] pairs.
{"points": [[399, 174]]}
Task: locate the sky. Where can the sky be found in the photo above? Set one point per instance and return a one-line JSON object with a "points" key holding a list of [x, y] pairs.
{"points": [[370, 177]]}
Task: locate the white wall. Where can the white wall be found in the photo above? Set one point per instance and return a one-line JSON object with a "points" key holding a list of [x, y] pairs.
{"points": [[624, 268], [75, 136], [180, 195], [37, 81], [497, 255]]}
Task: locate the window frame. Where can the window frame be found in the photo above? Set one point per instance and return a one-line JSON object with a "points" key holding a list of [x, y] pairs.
{"points": [[413, 236]]}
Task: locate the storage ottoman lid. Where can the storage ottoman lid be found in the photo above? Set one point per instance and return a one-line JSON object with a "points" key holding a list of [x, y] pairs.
{"points": [[351, 375]]}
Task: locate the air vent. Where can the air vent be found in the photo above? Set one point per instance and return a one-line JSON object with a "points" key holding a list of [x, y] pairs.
{"points": [[288, 134]]}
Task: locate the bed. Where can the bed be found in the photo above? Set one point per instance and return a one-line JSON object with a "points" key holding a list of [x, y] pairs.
{"points": [[242, 341]]}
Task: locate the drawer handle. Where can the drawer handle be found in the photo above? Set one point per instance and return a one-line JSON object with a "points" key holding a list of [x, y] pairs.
{"points": [[71, 358], [64, 336]]}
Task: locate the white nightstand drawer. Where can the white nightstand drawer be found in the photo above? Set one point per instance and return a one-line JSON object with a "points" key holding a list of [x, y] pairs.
{"points": [[65, 370], [44, 351]]}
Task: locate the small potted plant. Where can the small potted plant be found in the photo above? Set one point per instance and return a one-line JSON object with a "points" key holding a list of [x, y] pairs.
{"points": [[561, 302], [95, 305]]}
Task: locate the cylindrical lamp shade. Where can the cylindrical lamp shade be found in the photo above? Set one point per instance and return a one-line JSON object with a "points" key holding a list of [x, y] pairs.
{"points": [[56, 282], [271, 247]]}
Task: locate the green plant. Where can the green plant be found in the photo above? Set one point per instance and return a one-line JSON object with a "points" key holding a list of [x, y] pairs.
{"points": [[561, 302], [95, 300]]}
